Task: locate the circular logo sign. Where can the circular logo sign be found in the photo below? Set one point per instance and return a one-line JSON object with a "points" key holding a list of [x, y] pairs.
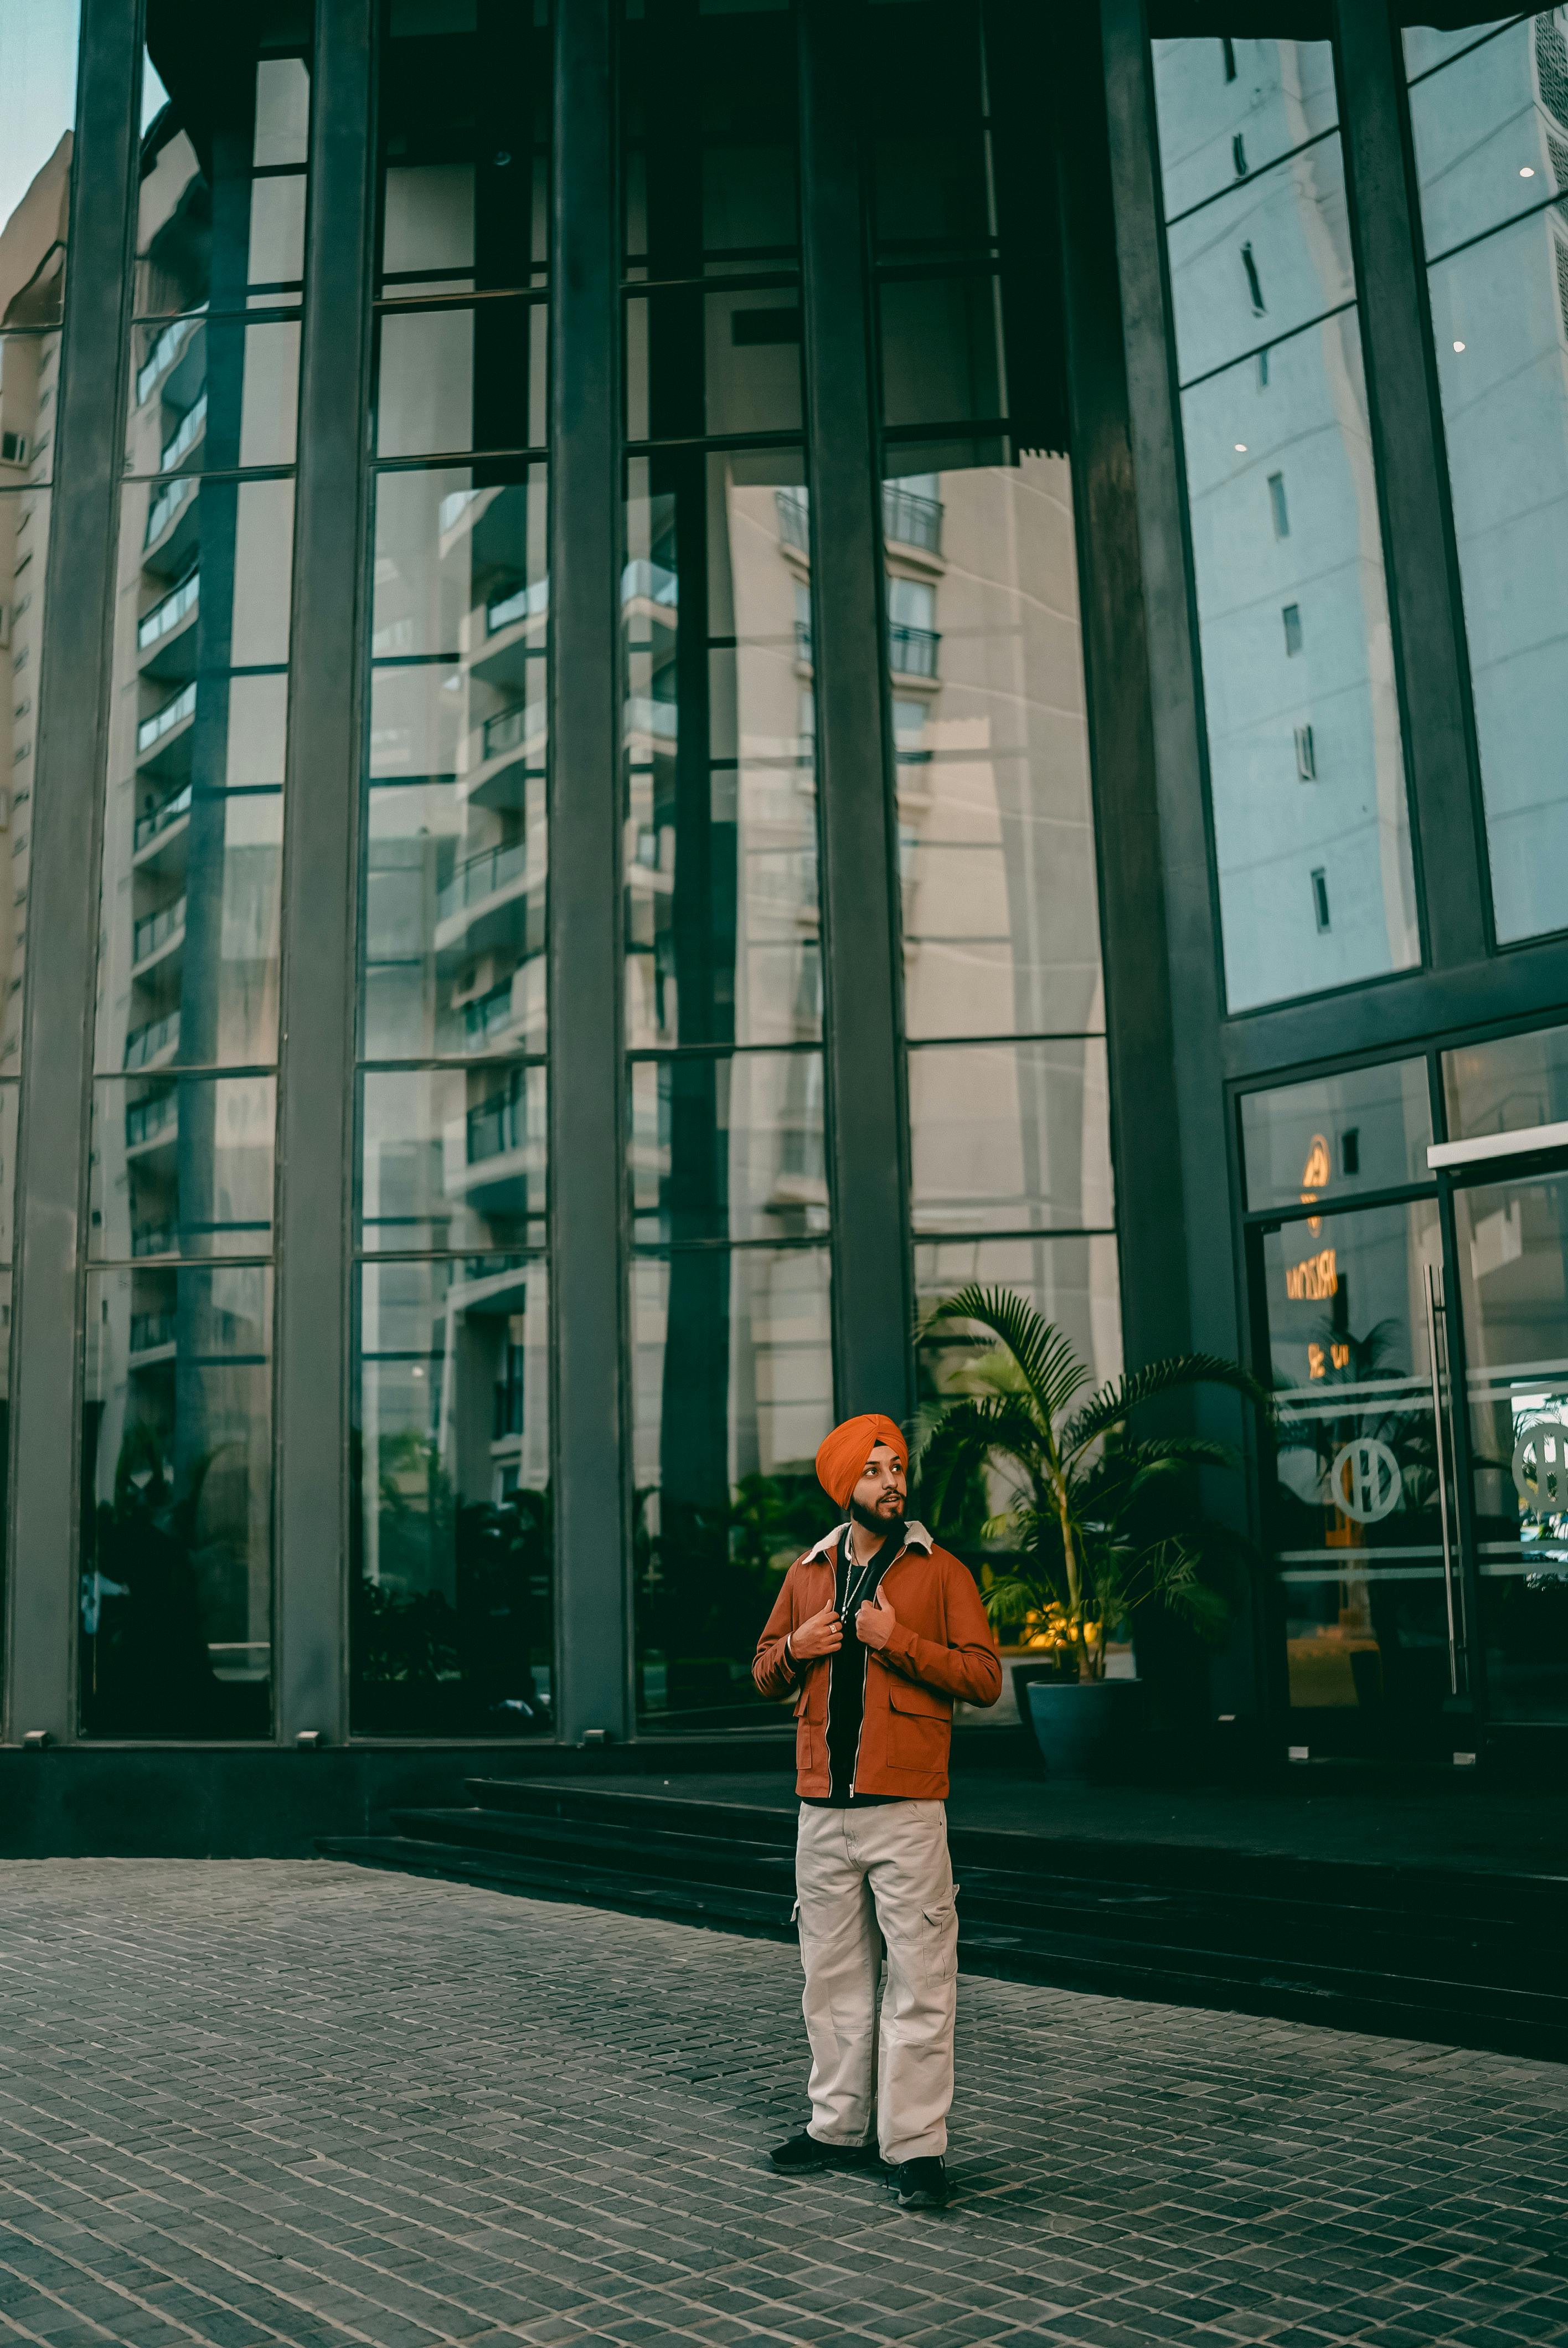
{"points": [[1541, 1468], [1366, 1480]]}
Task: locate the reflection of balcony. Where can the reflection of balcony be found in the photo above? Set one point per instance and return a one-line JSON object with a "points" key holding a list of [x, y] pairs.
{"points": [[153, 1238], [512, 729], [495, 1127], [165, 505], [646, 715], [167, 615], [147, 1046], [489, 1015], [480, 877], [912, 652], [794, 518], [164, 353], [803, 640], [152, 1332], [174, 712], [186, 434], [152, 935], [147, 1121], [911, 521], [648, 582], [159, 818], [517, 603]]}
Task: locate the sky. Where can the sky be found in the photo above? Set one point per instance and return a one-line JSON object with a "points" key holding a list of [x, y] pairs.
{"points": [[38, 90]]}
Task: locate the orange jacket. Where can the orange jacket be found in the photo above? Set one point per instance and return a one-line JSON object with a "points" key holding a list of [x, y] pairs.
{"points": [[940, 1647]]}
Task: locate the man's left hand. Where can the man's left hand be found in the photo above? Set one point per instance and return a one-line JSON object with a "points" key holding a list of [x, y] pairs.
{"points": [[874, 1621]]}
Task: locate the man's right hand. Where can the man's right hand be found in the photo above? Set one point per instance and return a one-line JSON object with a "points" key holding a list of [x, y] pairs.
{"points": [[820, 1635]]}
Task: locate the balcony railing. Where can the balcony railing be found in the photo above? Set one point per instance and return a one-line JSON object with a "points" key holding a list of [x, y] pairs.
{"points": [[151, 1329], [498, 1125], [165, 351], [146, 1119], [171, 612], [154, 1239], [186, 434], [165, 505], [794, 518], [510, 728], [143, 1044], [158, 819], [648, 582], [156, 929], [517, 603], [164, 721], [803, 640], [488, 1013], [912, 520], [912, 652], [481, 876]]}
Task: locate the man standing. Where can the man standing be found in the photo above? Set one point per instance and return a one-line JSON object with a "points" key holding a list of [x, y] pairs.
{"points": [[878, 1630]]}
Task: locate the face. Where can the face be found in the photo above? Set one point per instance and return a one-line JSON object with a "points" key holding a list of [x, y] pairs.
{"points": [[882, 1488]]}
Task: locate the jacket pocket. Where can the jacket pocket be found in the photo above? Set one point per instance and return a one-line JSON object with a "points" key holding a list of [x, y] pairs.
{"points": [[920, 1727], [916, 1701]]}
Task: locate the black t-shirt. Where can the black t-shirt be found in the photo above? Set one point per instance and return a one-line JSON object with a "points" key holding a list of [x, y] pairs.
{"points": [[853, 1585]]}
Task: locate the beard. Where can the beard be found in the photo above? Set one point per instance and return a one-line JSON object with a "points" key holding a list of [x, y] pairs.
{"points": [[872, 1520]]}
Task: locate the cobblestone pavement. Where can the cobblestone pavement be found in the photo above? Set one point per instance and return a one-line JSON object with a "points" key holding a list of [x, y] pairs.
{"points": [[281, 2102]]}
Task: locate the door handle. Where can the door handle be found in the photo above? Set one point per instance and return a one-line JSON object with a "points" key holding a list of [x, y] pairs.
{"points": [[1434, 1308]]}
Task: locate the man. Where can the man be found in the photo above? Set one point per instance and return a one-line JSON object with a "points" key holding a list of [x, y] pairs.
{"points": [[878, 1630]]}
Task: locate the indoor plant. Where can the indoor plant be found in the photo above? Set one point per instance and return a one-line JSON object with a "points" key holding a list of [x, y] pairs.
{"points": [[1098, 1522]]}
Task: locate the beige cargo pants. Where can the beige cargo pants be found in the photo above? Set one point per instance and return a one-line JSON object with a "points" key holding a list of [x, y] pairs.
{"points": [[855, 1870]]}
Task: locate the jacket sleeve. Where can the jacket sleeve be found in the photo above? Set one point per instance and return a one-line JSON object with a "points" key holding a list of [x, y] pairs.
{"points": [[770, 1666], [969, 1666]]}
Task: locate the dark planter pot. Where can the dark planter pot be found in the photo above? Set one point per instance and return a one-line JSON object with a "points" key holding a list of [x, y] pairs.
{"points": [[1083, 1728]]}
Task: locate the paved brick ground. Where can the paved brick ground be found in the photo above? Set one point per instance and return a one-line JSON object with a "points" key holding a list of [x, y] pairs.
{"points": [[263, 2102]]}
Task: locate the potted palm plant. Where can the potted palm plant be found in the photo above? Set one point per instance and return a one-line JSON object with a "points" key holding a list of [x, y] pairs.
{"points": [[1096, 1523]]}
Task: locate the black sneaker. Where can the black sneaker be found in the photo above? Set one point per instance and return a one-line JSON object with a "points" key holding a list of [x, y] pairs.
{"points": [[919, 2184], [805, 2154]]}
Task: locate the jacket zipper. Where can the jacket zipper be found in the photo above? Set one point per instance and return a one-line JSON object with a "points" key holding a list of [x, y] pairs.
{"points": [[854, 1773]]}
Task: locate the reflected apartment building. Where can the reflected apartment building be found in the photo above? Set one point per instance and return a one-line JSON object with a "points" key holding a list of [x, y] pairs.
{"points": [[756, 661]]}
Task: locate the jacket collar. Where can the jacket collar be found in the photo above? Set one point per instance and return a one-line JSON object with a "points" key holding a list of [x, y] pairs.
{"points": [[915, 1537]]}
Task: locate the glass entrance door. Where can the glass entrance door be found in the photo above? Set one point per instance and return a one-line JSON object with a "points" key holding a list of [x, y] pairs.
{"points": [[1362, 1519], [1512, 1247]]}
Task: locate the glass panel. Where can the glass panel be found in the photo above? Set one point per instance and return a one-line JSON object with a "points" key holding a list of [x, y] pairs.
{"points": [[1306, 761], [24, 571], [177, 1442], [721, 792], [1306, 773], [187, 971], [464, 115], [1001, 929], [1354, 1509], [1365, 1130], [209, 394], [712, 363], [931, 148], [453, 1157], [941, 349], [8, 1105], [732, 1361], [708, 117], [1506, 1086], [459, 378], [727, 1146], [1512, 1260], [451, 1629], [37, 109], [1073, 1282], [182, 1167], [1491, 142], [229, 104], [1010, 1137], [455, 829]]}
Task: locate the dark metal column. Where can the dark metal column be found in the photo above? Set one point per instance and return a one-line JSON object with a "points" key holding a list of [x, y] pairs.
{"points": [[868, 1124], [1423, 583], [588, 1145], [62, 909], [316, 1084]]}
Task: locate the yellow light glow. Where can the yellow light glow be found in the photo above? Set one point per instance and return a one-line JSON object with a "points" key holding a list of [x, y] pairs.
{"points": [[1312, 1280]]}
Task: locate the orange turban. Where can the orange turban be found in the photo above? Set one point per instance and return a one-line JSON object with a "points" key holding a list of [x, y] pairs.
{"points": [[841, 1460]]}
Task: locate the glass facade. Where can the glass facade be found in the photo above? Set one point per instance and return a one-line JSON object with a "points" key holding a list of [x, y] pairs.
{"points": [[1008, 668]]}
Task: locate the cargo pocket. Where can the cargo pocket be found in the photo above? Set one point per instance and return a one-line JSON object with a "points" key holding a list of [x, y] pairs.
{"points": [[939, 1941]]}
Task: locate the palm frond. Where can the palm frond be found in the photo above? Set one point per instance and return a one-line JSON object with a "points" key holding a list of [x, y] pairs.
{"points": [[969, 1435], [1122, 1395], [1046, 1358]]}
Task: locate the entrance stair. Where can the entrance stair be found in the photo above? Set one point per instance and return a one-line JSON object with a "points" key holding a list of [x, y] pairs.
{"points": [[1456, 1955]]}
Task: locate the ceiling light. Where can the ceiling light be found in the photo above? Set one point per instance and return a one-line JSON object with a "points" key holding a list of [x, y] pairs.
{"points": [[1459, 347], [1241, 448], [1527, 170]]}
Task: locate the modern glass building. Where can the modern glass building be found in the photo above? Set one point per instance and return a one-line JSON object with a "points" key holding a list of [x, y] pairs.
{"points": [[680, 671]]}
